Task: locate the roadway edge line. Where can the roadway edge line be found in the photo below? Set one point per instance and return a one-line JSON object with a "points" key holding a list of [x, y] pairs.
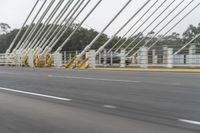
{"points": [[35, 94], [189, 121]]}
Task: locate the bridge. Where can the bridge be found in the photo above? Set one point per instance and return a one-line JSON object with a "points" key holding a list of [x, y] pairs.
{"points": [[132, 84], [35, 47]]}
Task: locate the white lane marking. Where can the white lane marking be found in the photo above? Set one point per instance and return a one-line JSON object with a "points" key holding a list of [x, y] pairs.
{"points": [[176, 84], [189, 121], [96, 79], [109, 106], [11, 73], [35, 94]]}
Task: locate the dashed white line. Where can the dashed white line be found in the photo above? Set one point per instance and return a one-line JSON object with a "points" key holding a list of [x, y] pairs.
{"points": [[95, 79], [11, 73], [176, 84], [109, 106], [35, 94], [189, 121]]}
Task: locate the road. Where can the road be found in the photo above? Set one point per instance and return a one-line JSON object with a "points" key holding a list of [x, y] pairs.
{"points": [[72, 101]]}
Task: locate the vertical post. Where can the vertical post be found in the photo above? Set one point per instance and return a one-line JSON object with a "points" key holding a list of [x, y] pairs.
{"points": [[123, 58], [192, 49], [154, 57], [170, 58], [191, 56], [165, 51], [105, 58], [100, 58], [70, 57], [31, 58], [143, 57], [134, 59], [6, 59], [18, 60], [111, 58], [65, 57], [91, 59], [57, 59]]}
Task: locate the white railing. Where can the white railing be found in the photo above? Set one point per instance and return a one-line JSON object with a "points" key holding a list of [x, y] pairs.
{"points": [[7, 60], [148, 58]]}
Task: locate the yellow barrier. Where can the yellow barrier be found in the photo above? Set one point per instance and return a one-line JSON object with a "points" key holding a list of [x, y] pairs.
{"points": [[83, 64], [39, 61], [25, 61], [76, 63], [71, 64], [49, 60]]}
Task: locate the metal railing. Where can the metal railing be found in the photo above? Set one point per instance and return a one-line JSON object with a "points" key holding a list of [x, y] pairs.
{"points": [[8, 60], [162, 56], [67, 56]]}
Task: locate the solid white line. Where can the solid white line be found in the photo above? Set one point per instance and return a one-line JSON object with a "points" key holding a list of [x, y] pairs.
{"points": [[190, 121], [109, 106], [96, 79], [11, 73], [35, 94]]}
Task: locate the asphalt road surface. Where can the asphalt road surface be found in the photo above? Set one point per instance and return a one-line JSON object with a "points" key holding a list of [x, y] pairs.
{"points": [[71, 101]]}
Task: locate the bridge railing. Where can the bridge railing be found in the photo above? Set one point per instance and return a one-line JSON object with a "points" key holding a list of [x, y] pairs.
{"points": [[67, 56], [162, 56], [7, 60]]}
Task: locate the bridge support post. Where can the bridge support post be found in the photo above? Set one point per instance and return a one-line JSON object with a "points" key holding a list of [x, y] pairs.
{"points": [[192, 49], [70, 57], [165, 53], [57, 57], [31, 58], [76, 52], [105, 58], [143, 57], [154, 57], [100, 55], [5, 59], [123, 58], [170, 58], [18, 59], [65, 57], [111, 58], [91, 59], [191, 56]]}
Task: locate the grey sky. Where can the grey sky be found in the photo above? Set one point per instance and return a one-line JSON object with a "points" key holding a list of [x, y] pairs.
{"points": [[14, 13]]}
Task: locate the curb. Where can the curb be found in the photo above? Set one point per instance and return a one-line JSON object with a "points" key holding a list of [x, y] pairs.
{"points": [[152, 70]]}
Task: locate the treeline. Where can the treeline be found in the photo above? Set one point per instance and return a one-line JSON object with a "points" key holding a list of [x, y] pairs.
{"points": [[84, 36]]}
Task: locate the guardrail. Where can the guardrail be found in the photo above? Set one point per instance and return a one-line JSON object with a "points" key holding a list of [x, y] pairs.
{"points": [[7, 60], [67, 56], [155, 57]]}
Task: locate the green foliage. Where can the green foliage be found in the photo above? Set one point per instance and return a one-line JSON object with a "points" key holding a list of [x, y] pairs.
{"points": [[4, 28], [84, 36], [191, 32]]}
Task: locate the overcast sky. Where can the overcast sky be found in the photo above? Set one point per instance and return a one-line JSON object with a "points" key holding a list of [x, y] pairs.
{"points": [[14, 12]]}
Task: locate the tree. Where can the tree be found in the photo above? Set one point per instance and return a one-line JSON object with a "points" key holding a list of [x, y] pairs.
{"points": [[191, 32], [84, 36], [151, 34], [4, 28]]}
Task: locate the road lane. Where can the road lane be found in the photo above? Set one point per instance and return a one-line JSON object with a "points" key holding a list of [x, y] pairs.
{"points": [[21, 114], [147, 101]]}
